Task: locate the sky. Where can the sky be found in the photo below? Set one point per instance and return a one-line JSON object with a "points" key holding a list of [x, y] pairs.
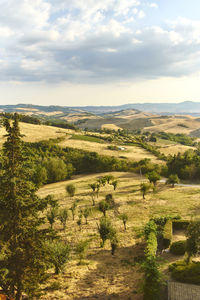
{"points": [[99, 52]]}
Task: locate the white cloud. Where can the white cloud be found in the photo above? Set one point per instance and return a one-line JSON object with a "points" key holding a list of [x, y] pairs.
{"points": [[89, 40], [153, 5]]}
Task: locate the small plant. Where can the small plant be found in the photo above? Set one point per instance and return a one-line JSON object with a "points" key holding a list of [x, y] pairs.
{"points": [[70, 189], [58, 255], [106, 230], [144, 188], [86, 214], [114, 184], [114, 244], [63, 216], [104, 206], [98, 189], [81, 249], [73, 209], [93, 186], [124, 218], [51, 216], [79, 222]]}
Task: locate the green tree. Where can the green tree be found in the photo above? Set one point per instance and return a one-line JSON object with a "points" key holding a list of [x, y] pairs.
{"points": [[109, 178], [81, 250], [172, 179], [40, 176], [71, 189], [73, 209], [59, 254], [51, 216], [106, 230], [23, 259], [86, 214], [56, 169], [104, 206], [153, 177], [63, 216], [124, 218], [114, 184], [93, 186], [193, 239], [144, 188]]}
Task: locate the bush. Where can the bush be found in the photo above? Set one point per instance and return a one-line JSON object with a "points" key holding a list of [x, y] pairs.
{"points": [[180, 224], [178, 248], [187, 273], [167, 234]]}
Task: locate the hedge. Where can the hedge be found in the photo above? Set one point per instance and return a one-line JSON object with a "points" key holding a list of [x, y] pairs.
{"points": [[187, 273], [167, 234], [180, 224], [178, 248], [151, 286]]}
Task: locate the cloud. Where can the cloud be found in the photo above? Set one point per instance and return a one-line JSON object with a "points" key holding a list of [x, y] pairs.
{"points": [[88, 41]]}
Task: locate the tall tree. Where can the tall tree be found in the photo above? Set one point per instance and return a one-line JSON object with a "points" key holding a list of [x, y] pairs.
{"points": [[23, 255]]}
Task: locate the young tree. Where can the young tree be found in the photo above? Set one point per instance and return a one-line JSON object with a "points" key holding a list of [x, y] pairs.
{"points": [[172, 179], [70, 188], [114, 184], [86, 214], [193, 239], [79, 221], [93, 186], [81, 249], [153, 177], [124, 218], [59, 254], [98, 189], [63, 216], [73, 209], [109, 178], [106, 230], [144, 188], [104, 206], [114, 244], [23, 258], [51, 216]]}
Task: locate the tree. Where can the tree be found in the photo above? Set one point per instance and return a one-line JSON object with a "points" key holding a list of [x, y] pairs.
{"points": [[124, 218], [59, 254], [56, 169], [70, 189], [51, 216], [73, 209], [86, 214], [115, 184], [40, 176], [23, 259], [106, 230], [81, 249], [144, 188], [172, 179], [93, 186], [109, 178], [193, 239], [104, 206], [63, 216], [114, 244], [153, 177]]}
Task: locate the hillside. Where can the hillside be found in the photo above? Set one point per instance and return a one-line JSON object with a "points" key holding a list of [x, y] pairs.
{"points": [[114, 118]]}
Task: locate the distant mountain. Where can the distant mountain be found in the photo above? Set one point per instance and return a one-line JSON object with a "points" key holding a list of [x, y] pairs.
{"points": [[186, 107]]}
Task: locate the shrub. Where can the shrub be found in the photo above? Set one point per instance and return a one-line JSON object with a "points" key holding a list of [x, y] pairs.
{"points": [[180, 224], [167, 234], [178, 248], [187, 273]]}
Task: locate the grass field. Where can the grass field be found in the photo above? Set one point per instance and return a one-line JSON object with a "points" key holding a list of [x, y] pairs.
{"points": [[103, 276], [131, 152]]}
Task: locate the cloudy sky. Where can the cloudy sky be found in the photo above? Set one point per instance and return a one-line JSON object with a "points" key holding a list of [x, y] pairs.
{"points": [[99, 52]]}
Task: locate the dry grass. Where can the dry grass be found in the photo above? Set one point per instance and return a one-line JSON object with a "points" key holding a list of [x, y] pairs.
{"points": [[104, 276], [35, 133], [131, 152]]}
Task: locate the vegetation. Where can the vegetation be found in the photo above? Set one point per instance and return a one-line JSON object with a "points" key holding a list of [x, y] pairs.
{"points": [[178, 248]]}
